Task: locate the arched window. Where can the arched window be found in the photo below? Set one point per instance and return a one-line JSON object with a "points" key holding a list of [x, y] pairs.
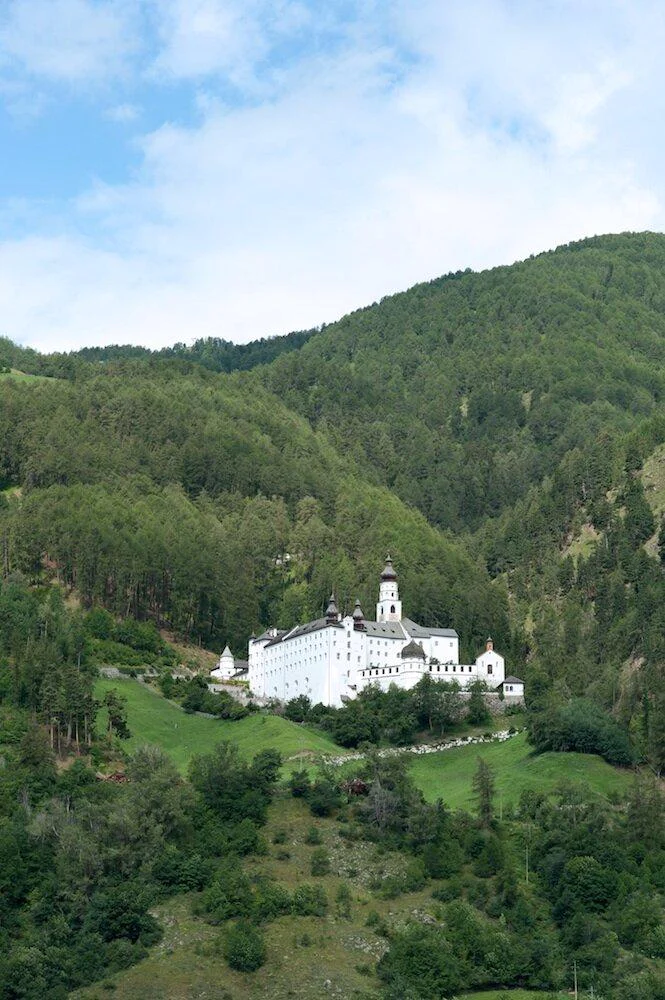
{"points": [[392, 609]]}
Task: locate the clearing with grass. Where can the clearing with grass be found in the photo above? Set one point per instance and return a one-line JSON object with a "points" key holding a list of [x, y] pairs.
{"points": [[153, 719]]}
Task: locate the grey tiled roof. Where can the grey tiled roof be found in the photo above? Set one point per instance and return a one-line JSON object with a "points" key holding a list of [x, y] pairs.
{"points": [[314, 626], [385, 630], [513, 680], [420, 632]]}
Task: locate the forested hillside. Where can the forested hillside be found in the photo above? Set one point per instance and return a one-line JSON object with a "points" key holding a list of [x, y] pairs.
{"points": [[514, 409], [208, 506], [503, 436], [463, 392]]}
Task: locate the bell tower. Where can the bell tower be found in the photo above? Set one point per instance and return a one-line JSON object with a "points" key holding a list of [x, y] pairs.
{"points": [[389, 607]]}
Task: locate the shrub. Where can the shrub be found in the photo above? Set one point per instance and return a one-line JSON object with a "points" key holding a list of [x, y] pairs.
{"points": [[310, 901], [244, 947], [313, 835], [323, 798], [270, 900], [320, 862], [300, 784]]}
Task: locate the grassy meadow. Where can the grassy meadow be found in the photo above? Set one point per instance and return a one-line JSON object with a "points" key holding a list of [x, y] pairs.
{"points": [[22, 377], [448, 775], [153, 719]]}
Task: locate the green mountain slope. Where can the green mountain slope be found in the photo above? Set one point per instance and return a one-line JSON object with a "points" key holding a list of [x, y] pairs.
{"points": [[203, 502], [462, 393]]}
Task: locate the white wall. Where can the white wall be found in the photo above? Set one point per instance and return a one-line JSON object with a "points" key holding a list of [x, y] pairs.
{"points": [[491, 667]]}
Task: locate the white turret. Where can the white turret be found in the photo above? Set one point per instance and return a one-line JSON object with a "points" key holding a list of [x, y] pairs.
{"points": [[389, 607], [225, 667]]}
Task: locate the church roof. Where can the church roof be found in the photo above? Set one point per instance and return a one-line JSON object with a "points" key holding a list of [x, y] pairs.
{"points": [[413, 650], [513, 680], [385, 630], [314, 626], [420, 632], [227, 652]]}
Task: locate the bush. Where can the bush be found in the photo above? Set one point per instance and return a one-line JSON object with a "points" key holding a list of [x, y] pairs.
{"points": [[310, 901], [323, 798], [270, 900], [313, 835], [320, 862], [244, 947], [300, 784]]}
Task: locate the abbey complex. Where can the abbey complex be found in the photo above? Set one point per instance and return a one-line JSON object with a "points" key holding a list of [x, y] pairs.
{"points": [[331, 659]]}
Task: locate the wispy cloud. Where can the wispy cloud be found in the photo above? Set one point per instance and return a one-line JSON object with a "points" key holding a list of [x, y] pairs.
{"points": [[68, 40], [122, 113], [382, 145]]}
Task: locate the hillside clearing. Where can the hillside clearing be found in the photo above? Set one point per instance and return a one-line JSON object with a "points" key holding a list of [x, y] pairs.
{"points": [[153, 719], [19, 376], [448, 775]]}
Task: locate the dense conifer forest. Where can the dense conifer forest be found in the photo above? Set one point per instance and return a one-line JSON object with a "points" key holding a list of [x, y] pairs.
{"points": [[502, 435]]}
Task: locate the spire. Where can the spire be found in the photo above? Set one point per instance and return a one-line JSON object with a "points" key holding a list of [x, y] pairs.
{"points": [[358, 616], [490, 644], [389, 606], [332, 615], [388, 572]]}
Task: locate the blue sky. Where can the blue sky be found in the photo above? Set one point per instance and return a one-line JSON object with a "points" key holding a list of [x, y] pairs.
{"points": [[172, 169]]}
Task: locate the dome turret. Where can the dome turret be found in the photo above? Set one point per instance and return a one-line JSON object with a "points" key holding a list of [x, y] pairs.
{"points": [[358, 616], [389, 606], [389, 572], [332, 614], [413, 651]]}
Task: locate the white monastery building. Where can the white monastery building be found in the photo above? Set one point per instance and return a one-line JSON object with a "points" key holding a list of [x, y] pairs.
{"points": [[330, 660]]}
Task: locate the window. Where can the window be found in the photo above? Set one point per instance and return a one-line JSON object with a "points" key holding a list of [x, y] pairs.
{"points": [[392, 609], [489, 668]]}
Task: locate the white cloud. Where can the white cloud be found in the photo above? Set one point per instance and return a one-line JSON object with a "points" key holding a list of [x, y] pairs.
{"points": [[68, 40], [456, 139], [221, 37], [122, 113]]}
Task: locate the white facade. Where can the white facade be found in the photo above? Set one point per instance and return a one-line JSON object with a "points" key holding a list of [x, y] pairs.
{"points": [[513, 687], [333, 658], [491, 666]]}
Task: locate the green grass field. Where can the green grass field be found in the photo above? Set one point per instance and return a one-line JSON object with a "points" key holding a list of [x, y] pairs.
{"points": [[153, 719], [448, 775], [22, 377]]}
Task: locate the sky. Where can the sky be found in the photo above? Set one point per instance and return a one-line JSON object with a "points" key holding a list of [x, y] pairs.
{"points": [[175, 169]]}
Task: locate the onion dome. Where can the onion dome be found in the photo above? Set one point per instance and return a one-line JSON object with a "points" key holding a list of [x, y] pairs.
{"points": [[388, 572], [413, 651], [331, 611], [358, 616]]}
